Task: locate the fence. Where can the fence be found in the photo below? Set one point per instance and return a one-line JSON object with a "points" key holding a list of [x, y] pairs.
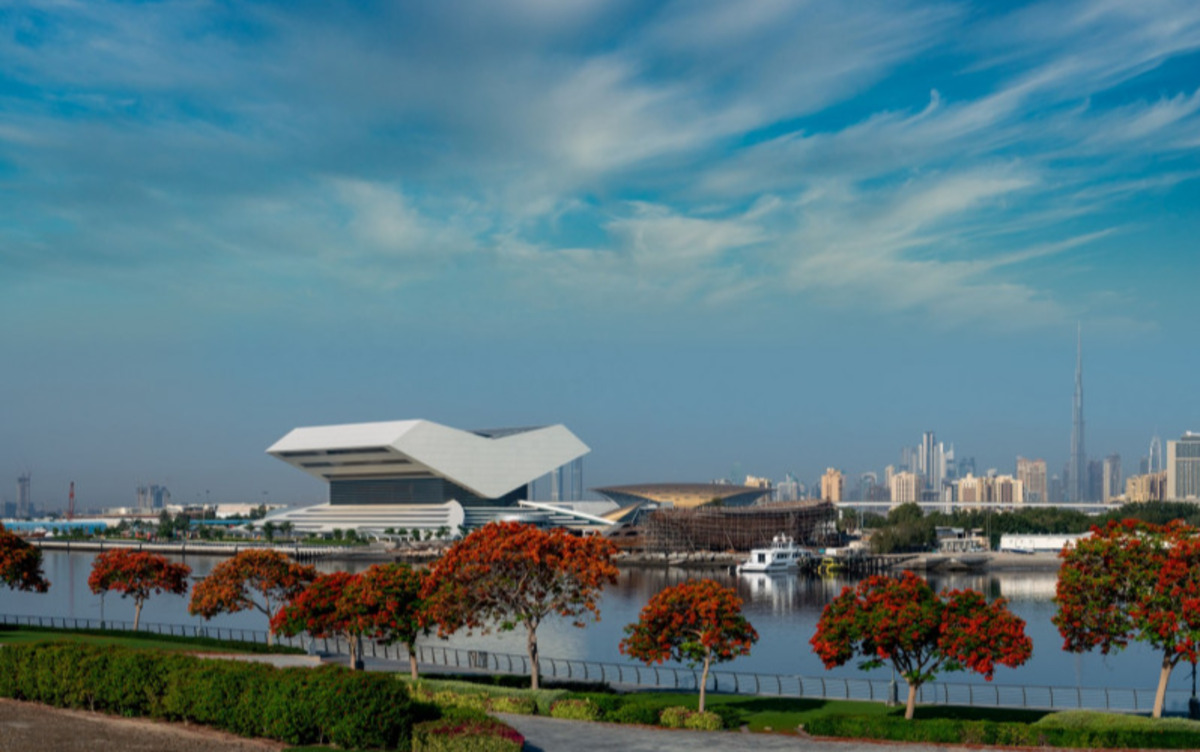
{"points": [[671, 678]]}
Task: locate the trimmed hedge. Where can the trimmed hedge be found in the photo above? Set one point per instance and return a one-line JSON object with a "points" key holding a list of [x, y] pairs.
{"points": [[294, 705], [1135, 734], [466, 731]]}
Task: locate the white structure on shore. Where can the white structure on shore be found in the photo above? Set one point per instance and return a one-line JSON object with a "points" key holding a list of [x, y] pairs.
{"points": [[416, 474]]}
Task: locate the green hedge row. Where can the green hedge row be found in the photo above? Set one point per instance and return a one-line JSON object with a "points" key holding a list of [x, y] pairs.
{"points": [[294, 705], [948, 731]]}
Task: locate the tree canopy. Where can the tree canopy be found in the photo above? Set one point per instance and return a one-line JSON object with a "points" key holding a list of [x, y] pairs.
{"points": [[508, 574], [694, 622], [388, 606], [1133, 581], [20, 564], [919, 631], [137, 574], [322, 610], [259, 579]]}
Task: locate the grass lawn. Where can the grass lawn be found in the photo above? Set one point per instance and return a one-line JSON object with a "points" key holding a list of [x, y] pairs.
{"points": [[170, 643]]}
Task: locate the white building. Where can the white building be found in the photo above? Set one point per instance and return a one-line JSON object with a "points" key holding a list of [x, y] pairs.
{"points": [[416, 474]]}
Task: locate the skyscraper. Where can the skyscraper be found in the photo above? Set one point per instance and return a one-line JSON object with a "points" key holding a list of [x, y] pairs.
{"points": [[1183, 467], [1078, 480], [1032, 474], [929, 459], [1112, 484], [833, 485], [24, 500]]}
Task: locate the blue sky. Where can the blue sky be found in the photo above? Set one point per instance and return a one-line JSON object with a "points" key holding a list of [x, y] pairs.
{"points": [[774, 234]]}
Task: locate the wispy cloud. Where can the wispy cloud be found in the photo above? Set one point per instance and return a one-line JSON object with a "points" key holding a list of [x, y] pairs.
{"points": [[918, 156]]}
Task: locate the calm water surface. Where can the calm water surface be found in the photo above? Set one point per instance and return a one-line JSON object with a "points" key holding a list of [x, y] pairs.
{"points": [[784, 610]]}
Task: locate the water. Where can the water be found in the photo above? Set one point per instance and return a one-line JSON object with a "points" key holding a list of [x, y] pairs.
{"points": [[784, 610]]}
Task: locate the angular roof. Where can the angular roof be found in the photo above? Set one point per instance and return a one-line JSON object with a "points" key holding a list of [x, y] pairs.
{"points": [[488, 463]]}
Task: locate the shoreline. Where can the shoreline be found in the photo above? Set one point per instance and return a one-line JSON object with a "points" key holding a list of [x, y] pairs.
{"points": [[924, 562]]}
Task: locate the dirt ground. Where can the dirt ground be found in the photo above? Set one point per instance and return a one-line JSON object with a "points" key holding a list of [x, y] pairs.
{"points": [[29, 727]]}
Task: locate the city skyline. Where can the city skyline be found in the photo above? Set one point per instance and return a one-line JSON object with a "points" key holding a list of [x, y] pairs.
{"points": [[773, 235]]}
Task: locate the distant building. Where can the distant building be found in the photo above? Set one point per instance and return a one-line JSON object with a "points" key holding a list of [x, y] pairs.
{"points": [[1146, 487], [1032, 474], [753, 481], [788, 489], [1056, 490], [1095, 480], [833, 485], [905, 487], [1111, 486], [990, 489], [24, 497], [1183, 467]]}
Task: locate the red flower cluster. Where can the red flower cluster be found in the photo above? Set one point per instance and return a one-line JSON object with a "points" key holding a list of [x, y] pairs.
{"points": [[137, 574], [1133, 581], [20, 564], [919, 631], [696, 622]]}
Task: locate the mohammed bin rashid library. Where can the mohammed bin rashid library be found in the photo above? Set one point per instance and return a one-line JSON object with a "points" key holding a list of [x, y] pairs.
{"points": [[417, 474]]}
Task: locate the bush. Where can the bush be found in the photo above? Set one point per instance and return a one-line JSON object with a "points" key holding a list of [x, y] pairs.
{"points": [[634, 712], [579, 709], [673, 717], [296, 706], [510, 704], [466, 731], [706, 721]]}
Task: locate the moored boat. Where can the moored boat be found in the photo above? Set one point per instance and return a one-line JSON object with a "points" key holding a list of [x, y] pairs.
{"points": [[782, 556]]}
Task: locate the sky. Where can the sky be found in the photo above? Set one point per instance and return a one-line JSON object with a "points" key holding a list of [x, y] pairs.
{"points": [[758, 237]]}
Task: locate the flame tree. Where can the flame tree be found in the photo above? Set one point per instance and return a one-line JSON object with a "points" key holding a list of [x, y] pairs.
{"points": [[137, 574], [385, 603], [696, 622], [919, 631], [322, 610], [507, 574], [1136, 581], [20, 564], [258, 579]]}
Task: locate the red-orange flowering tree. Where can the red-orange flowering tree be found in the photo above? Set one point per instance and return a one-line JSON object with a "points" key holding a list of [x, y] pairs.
{"points": [[385, 604], [695, 622], [323, 610], [919, 631], [508, 574], [1136, 581], [259, 579], [20, 564], [137, 574]]}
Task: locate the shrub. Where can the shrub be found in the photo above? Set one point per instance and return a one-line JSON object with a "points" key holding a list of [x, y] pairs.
{"points": [[466, 731], [703, 721], [297, 706], [634, 713], [510, 704], [673, 717], [578, 709]]}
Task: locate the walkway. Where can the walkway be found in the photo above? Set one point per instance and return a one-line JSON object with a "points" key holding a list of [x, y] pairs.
{"points": [[555, 735]]}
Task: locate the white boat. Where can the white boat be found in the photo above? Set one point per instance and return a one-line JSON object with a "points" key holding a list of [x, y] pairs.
{"points": [[783, 556]]}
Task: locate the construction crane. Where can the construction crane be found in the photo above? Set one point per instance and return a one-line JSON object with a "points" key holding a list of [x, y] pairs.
{"points": [[71, 503]]}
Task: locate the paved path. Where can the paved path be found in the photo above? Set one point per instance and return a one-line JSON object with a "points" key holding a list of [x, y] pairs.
{"points": [[555, 735]]}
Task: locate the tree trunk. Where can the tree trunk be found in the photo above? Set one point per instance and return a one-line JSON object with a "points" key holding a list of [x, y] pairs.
{"points": [[1160, 696], [532, 646], [356, 662], [270, 636], [704, 679], [412, 660], [912, 701], [137, 613]]}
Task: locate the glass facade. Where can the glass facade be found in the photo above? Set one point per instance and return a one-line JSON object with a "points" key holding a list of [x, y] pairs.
{"points": [[411, 491]]}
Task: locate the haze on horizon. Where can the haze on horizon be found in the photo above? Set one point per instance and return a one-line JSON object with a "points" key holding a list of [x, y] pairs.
{"points": [[776, 235]]}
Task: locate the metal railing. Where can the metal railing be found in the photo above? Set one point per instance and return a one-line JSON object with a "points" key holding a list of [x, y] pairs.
{"points": [[629, 675]]}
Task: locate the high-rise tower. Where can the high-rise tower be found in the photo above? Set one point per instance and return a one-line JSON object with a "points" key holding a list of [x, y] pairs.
{"points": [[1078, 482]]}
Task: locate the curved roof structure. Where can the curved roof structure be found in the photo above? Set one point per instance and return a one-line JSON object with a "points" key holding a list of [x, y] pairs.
{"points": [[488, 463], [683, 495]]}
